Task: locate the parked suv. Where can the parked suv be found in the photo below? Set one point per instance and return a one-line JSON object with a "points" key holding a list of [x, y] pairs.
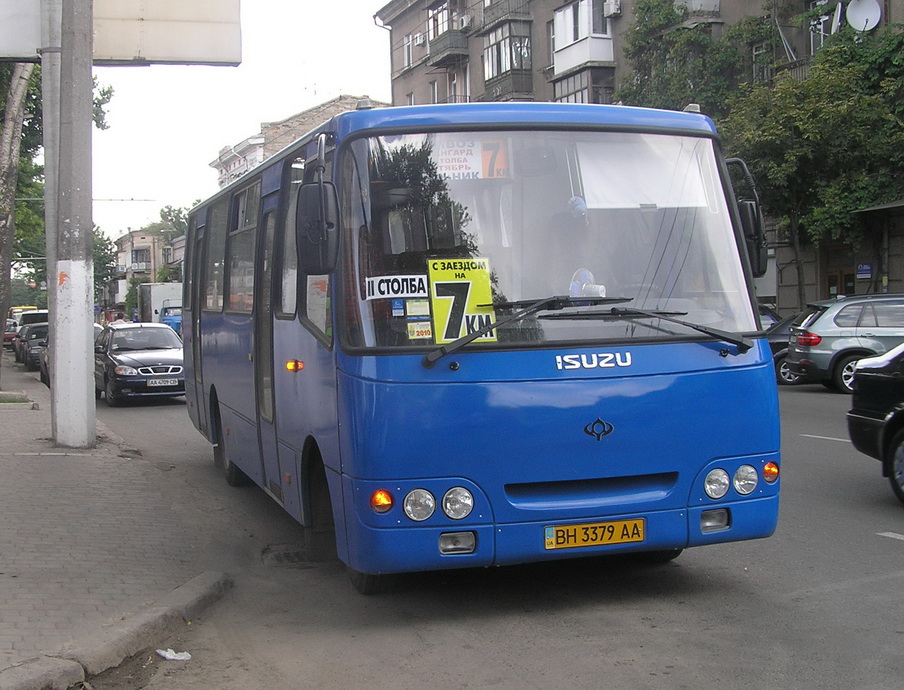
{"points": [[830, 336]]}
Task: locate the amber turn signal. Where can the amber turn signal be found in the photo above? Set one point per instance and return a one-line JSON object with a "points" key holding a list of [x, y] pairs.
{"points": [[294, 365], [381, 501], [770, 472]]}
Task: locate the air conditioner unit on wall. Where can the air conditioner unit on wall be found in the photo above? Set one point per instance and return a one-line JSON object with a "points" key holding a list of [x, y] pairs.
{"points": [[612, 8], [464, 21], [419, 39]]}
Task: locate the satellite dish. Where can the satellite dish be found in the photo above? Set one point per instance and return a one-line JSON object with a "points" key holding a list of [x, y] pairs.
{"points": [[836, 18], [863, 15]]}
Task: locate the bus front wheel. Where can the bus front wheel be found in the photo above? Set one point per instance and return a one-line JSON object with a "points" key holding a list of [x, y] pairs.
{"points": [[369, 583], [655, 557]]}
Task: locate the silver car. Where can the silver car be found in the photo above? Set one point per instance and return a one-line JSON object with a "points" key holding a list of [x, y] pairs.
{"points": [[830, 336]]}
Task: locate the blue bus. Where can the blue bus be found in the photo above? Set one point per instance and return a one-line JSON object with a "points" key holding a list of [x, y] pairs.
{"points": [[468, 335]]}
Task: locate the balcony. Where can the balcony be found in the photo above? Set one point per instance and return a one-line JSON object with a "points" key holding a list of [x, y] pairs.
{"points": [[511, 86], [504, 11], [448, 49], [799, 69], [703, 8]]}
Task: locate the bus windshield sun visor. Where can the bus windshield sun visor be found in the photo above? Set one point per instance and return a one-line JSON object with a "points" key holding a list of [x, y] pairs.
{"points": [[743, 344], [525, 308]]}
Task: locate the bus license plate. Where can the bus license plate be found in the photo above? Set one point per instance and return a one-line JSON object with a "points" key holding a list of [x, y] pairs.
{"points": [[163, 382], [594, 534]]}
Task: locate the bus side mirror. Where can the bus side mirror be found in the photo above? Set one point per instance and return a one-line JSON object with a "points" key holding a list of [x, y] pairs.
{"points": [[317, 227], [754, 236]]}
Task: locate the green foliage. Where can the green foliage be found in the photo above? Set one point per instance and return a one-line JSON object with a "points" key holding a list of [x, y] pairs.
{"points": [[131, 300], [104, 262], [675, 63], [831, 144]]}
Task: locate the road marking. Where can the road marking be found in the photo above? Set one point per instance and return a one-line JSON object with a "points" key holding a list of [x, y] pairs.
{"points": [[891, 535], [827, 438]]}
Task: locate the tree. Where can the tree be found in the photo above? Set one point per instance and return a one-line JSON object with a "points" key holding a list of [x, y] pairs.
{"points": [[21, 224], [14, 87], [104, 263], [829, 145], [674, 65]]}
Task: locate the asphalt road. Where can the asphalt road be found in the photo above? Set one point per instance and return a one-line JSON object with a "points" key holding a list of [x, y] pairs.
{"points": [[815, 606]]}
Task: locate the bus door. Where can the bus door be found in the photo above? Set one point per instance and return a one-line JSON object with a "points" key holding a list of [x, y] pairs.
{"points": [[263, 355]]}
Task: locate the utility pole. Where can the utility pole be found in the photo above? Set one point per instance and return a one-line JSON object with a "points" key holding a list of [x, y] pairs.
{"points": [[51, 50], [72, 282]]}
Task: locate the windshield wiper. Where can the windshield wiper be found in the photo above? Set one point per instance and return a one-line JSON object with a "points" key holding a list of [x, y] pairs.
{"points": [[742, 343], [525, 308]]}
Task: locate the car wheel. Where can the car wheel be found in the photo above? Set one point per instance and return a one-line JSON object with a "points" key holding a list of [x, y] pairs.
{"points": [[110, 396], [844, 373], [783, 374], [896, 465]]}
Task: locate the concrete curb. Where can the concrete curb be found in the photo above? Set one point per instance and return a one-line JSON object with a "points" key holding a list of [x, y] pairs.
{"points": [[107, 648]]}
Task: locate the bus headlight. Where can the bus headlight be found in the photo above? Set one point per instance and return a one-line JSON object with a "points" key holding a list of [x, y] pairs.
{"points": [[745, 480], [716, 483], [458, 503], [419, 504]]}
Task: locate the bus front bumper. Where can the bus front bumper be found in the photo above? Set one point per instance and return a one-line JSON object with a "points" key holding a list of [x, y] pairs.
{"points": [[419, 548]]}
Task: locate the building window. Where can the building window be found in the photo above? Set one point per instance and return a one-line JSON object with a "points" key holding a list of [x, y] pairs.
{"points": [[407, 58], [409, 99], [551, 41], [507, 48], [599, 25], [438, 20], [167, 255], [573, 89], [141, 256], [434, 92], [819, 28], [761, 64]]}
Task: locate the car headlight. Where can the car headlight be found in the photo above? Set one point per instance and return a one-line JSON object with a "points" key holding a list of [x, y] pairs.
{"points": [[458, 503], [745, 480], [125, 371], [419, 504], [716, 483]]}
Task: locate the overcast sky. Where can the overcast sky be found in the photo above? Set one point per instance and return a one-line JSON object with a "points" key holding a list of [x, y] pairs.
{"points": [[167, 123]]}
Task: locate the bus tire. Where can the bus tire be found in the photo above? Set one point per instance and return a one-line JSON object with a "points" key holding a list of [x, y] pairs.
{"points": [[320, 536], [233, 475], [656, 557], [369, 583]]}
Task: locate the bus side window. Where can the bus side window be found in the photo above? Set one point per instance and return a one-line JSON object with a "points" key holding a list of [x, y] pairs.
{"points": [[216, 256], [306, 294], [241, 250]]}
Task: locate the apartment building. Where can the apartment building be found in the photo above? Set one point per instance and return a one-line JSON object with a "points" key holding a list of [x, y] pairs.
{"points": [[448, 51]]}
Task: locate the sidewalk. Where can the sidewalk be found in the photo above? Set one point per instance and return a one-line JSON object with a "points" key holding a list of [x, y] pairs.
{"points": [[94, 564]]}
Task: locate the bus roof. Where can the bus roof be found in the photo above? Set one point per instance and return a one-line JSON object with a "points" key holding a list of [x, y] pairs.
{"points": [[518, 114]]}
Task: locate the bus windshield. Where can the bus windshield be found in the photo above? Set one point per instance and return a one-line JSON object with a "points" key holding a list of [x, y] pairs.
{"points": [[453, 229]]}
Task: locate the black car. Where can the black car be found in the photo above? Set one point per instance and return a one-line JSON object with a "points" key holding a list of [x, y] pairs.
{"points": [[876, 418], [34, 341], [777, 334], [137, 360]]}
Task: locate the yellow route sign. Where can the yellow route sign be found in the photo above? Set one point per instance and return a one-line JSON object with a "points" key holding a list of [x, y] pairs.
{"points": [[457, 287]]}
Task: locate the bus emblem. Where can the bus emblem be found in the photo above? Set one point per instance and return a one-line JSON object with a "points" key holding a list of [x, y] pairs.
{"points": [[598, 429]]}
